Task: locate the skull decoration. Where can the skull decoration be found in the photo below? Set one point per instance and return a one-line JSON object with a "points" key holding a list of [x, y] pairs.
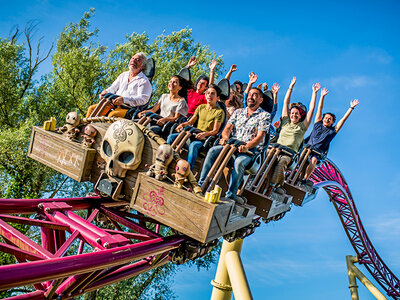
{"points": [[164, 157], [122, 148], [72, 121], [88, 136], [182, 172]]}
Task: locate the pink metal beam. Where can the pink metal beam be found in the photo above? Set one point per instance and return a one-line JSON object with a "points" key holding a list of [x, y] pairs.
{"points": [[95, 236], [40, 271], [17, 252], [125, 273], [132, 225], [25, 206], [33, 222], [21, 241]]}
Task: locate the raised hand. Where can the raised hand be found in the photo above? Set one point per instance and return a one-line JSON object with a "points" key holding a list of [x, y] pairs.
{"points": [[252, 78], [316, 87], [213, 64], [324, 92], [192, 61], [354, 103], [264, 87], [233, 68], [293, 82], [275, 88]]}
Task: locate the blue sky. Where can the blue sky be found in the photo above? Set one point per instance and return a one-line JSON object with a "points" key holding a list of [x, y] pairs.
{"points": [[352, 48]]}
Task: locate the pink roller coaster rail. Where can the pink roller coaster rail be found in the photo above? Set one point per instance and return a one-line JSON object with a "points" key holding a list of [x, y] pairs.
{"points": [[118, 254]]}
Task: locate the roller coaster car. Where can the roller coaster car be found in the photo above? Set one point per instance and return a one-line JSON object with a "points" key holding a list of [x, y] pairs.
{"points": [[302, 193], [181, 210]]}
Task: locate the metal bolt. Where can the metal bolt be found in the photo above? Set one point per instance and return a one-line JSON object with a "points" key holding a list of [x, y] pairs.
{"points": [[98, 241], [106, 245], [40, 205], [47, 209]]}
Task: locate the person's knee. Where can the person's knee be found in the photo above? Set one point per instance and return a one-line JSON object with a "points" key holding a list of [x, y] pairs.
{"points": [[118, 113], [314, 161]]}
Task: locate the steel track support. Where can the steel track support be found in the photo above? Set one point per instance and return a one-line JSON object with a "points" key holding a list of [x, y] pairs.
{"points": [[230, 274], [354, 273]]}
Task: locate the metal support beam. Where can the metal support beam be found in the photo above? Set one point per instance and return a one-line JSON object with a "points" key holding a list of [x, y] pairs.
{"points": [[230, 274], [353, 272]]}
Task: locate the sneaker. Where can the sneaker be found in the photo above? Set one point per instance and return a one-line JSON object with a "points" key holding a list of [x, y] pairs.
{"points": [[280, 191], [240, 200]]}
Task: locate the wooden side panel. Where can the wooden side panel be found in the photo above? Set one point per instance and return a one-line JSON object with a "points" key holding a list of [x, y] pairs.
{"points": [[261, 202], [61, 154], [297, 193], [182, 211]]}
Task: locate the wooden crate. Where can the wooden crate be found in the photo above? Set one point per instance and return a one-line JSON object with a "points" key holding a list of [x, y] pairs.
{"points": [[61, 154], [186, 212]]}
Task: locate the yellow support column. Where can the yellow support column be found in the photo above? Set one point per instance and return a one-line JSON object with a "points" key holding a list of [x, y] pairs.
{"points": [[352, 279], [364, 280], [229, 270], [240, 286]]}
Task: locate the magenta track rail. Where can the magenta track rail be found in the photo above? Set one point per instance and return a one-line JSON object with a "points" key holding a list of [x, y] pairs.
{"points": [[328, 177], [74, 256]]}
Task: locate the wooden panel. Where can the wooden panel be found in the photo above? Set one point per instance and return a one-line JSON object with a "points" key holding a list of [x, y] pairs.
{"points": [[261, 202], [61, 154], [182, 211], [297, 193]]}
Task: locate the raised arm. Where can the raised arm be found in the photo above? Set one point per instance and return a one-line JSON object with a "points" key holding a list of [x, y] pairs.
{"points": [[231, 70], [275, 89], [212, 68], [318, 115], [192, 61], [311, 107], [252, 79], [285, 108], [339, 125]]}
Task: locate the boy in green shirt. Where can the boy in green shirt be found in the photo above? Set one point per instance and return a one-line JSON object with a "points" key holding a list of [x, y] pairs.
{"points": [[209, 119]]}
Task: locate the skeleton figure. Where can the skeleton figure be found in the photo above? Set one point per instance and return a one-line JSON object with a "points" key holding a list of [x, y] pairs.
{"points": [[88, 136], [122, 148], [182, 172], [163, 159], [69, 129]]}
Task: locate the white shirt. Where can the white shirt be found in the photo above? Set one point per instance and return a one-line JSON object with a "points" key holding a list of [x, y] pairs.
{"points": [[168, 108], [136, 92]]}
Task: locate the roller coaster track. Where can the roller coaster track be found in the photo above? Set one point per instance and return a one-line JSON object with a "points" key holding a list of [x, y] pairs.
{"points": [[58, 269], [329, 177]]}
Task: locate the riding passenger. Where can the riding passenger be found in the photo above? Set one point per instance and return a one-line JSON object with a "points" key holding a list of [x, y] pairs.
{"points": [[323, 132], [295, 122], [172, 105], [275, 88], [133, 88], [209, 118], [249, 125], [235, 99], [197, 97]]}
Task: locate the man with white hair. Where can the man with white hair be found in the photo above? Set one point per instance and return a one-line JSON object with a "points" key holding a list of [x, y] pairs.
{"points": [[132, 87]]}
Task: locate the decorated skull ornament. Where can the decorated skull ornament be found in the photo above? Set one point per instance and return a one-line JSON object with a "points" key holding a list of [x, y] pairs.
{"points": [[122, 148], [73, 119]]}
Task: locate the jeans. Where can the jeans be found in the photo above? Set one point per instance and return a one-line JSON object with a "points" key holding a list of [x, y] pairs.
{"points": [[194, 148], [156, 129], [239, 166]]}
